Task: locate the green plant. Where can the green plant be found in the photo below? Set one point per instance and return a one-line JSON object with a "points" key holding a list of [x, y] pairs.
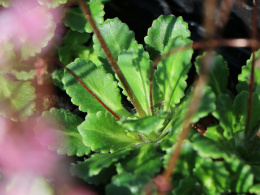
{"points": [[146, 131], [129, 149]]}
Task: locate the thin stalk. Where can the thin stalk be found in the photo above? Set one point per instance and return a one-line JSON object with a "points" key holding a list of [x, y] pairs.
{"points": [[111, 59], [225, 9], [252, 74], [198, 91]]}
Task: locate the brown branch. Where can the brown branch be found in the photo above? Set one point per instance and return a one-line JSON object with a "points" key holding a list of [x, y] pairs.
{"points": [[252, 76], [111, 59], [198, 91], [224, 12]]}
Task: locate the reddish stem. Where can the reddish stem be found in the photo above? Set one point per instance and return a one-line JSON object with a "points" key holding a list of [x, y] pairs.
{"points": [[111, 59], [252, 74]]}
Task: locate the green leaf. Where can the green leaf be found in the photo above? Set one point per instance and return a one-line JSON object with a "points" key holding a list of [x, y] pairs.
{"points": [[57, 76], [164, 29], [135, 65], [52, 3], [255, 189], [24, 75], [212, 175], [127, 184], [186, 161], [117, 37], [16, 99], [215, 133], [97, 169], [171, 73], [241, 177], [76, 20], [207, 105], [244, 77], [240, 108], [187, 186], [99, 82], [75, 47], [144, 160], [145, 125], [69, 141], [214, 149], [74, 38], [102, 126], [225, 115], [256, 171], [218, 75], [6, 3]]}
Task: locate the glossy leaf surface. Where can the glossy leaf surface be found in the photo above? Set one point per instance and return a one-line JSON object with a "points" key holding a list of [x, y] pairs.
{"points": [[171, 73], [213, 176], [99, 82], [244, 77], [164, 29], [135, 65], [117, 37], [101, 132]]}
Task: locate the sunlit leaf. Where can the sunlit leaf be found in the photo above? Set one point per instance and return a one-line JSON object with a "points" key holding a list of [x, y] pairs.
{"points": [[102, 126], [162, 31], [241, 177], [244, 77], [135, 65], [101, 84], [212, 175], [255, 189], [145, 125], [117, 37], [171, 73], [67, 138]]}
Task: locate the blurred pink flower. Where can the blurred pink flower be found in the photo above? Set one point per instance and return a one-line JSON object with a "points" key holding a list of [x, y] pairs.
{"points": [[21, 151], [28, 26]]}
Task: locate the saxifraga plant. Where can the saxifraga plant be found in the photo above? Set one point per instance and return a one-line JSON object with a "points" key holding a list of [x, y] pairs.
{"points": [[129, 150]]}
